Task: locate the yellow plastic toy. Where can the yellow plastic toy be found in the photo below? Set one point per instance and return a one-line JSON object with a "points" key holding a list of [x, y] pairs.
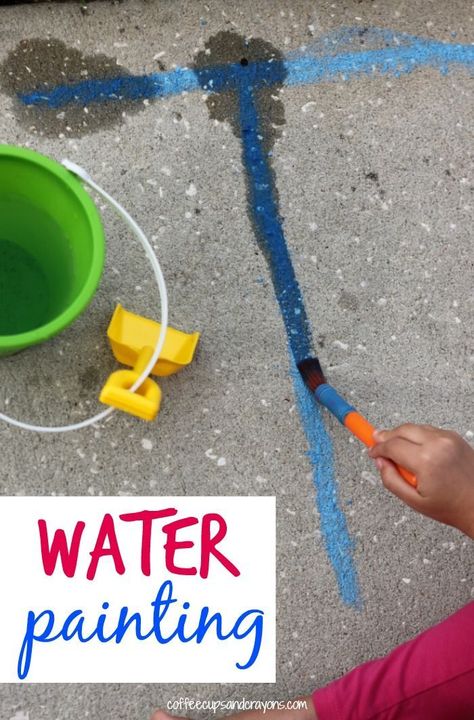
{"points": [[143, 403], [132, 339], [129, 334]]}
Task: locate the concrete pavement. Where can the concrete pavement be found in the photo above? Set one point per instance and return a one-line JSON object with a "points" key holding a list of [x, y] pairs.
{"points": [[372, 175]]}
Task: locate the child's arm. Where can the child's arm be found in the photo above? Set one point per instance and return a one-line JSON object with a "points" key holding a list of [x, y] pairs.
{"points": [[444, 467]]}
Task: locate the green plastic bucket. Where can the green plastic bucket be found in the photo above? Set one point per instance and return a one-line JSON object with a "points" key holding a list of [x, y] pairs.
{"points": [[51, 248]]}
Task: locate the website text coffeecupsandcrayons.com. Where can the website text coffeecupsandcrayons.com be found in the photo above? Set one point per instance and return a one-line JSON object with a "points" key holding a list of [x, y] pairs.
{"points": [[184, 704]]}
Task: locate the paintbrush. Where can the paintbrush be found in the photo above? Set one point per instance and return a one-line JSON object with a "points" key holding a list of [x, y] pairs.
{"points": [[325, 394]]}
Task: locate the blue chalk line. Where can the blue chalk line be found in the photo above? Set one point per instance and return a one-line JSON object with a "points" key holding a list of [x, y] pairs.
{"points": [[271, 239], [409, 55], [269, 230], [332, 520]]}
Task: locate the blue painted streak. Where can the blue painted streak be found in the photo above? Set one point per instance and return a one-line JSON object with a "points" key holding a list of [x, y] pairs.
{"points": [[269, 229], [396, 61], [411, 54], [334, 531], [335, 534], [128, 87]]}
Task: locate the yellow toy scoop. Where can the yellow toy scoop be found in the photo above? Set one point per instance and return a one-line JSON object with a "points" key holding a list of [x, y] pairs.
{"points": [[129, 334], [132, 339]]}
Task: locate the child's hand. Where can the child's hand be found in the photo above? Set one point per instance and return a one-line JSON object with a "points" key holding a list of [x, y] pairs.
{"points": [[444, 467]]}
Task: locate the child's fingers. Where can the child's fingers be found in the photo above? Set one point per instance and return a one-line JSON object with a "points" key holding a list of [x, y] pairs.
{"points": [[401, 451], [408, 431], [394, 482]]}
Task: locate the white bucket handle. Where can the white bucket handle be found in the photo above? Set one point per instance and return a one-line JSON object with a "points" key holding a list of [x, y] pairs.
{"points": [[160, 281]]}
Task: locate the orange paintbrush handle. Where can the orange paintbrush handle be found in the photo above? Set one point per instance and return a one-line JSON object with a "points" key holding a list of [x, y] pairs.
{"points": [[362, 429]]}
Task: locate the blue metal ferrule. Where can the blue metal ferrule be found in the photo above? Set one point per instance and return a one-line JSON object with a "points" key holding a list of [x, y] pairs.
{"points": [[330, 398]]}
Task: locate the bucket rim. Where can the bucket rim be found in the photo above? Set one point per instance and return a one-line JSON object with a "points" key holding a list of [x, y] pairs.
{"points": [[87, 292]]}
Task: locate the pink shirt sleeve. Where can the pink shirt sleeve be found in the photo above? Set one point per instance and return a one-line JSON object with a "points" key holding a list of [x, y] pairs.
{"points": [[431, 676]]}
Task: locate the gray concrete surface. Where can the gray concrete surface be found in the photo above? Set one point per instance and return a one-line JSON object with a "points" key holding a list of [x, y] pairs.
{"points": [[405, 238]]}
